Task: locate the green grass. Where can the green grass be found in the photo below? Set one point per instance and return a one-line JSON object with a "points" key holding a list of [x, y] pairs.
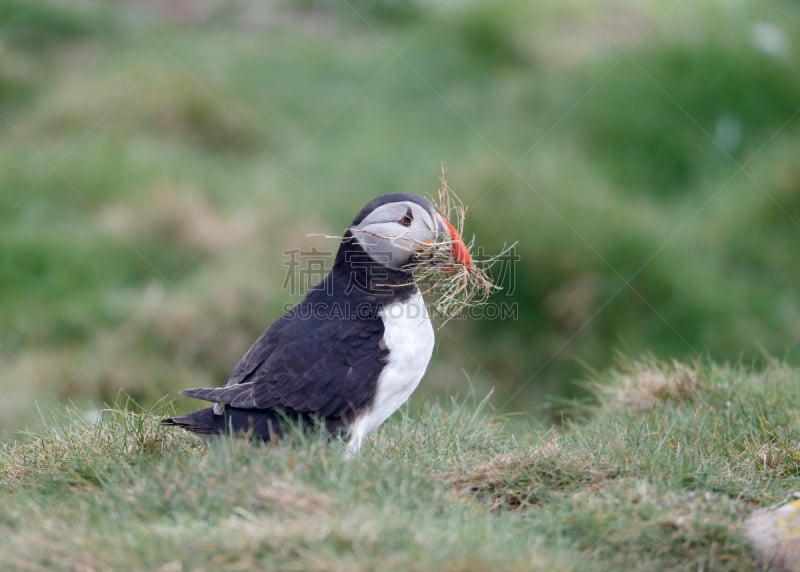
{"points": [[157, 162], [658, 473]]}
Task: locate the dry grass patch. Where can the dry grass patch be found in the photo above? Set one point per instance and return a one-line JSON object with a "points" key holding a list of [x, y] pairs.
{"points": [[180, 215], [781, 457], [643, 385], [292, 498], [525, 478]]}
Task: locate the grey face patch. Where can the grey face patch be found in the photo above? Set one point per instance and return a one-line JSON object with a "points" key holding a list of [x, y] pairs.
{"points": [[393, 232]]}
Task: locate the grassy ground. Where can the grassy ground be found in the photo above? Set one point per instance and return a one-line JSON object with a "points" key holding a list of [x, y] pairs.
{"points": [[158, 160], [657, 475]]}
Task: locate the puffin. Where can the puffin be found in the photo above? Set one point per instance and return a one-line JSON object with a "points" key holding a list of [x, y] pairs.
{"points": [[353, 350]]}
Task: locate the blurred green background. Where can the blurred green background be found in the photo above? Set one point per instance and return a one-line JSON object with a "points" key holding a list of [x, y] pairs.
{"points": [[158, 158]]}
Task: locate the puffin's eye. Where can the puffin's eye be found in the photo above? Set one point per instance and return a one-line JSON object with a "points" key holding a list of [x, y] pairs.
{"points": [[407, 218]]}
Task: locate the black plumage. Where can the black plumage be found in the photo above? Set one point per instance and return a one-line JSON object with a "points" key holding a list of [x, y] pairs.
{"points": [[320, 360]]}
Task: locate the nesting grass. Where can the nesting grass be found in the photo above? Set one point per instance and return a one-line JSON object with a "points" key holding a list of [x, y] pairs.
{"points": [[453, 285]]}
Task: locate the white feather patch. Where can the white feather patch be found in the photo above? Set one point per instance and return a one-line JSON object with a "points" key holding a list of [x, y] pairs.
{"points": [[408, 334]]}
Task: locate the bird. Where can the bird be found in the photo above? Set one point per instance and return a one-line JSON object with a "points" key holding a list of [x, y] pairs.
{"points": [[353, 350]]}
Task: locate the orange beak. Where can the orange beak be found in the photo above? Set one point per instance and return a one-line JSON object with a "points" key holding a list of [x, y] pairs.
{"points": [[460, 252]]}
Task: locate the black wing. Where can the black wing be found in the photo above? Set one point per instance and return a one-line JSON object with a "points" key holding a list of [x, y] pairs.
{"points": [[324, 364], [261, 349]]}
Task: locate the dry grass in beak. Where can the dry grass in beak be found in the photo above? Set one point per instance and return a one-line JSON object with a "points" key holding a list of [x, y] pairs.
{"points": [[454, 286]]}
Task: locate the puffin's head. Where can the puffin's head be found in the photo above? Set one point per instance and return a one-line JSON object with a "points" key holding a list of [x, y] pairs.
{"points": [[391, 229]]}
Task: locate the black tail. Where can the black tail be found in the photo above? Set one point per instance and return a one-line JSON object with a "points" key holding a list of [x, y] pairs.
{"points": [[266, 425]]}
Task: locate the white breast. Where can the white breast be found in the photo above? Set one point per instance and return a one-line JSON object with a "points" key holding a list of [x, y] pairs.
{"points": [[408, 334]]}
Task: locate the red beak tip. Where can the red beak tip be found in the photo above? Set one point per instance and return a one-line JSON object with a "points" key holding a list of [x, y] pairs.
{"points": [[460, 252]]}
